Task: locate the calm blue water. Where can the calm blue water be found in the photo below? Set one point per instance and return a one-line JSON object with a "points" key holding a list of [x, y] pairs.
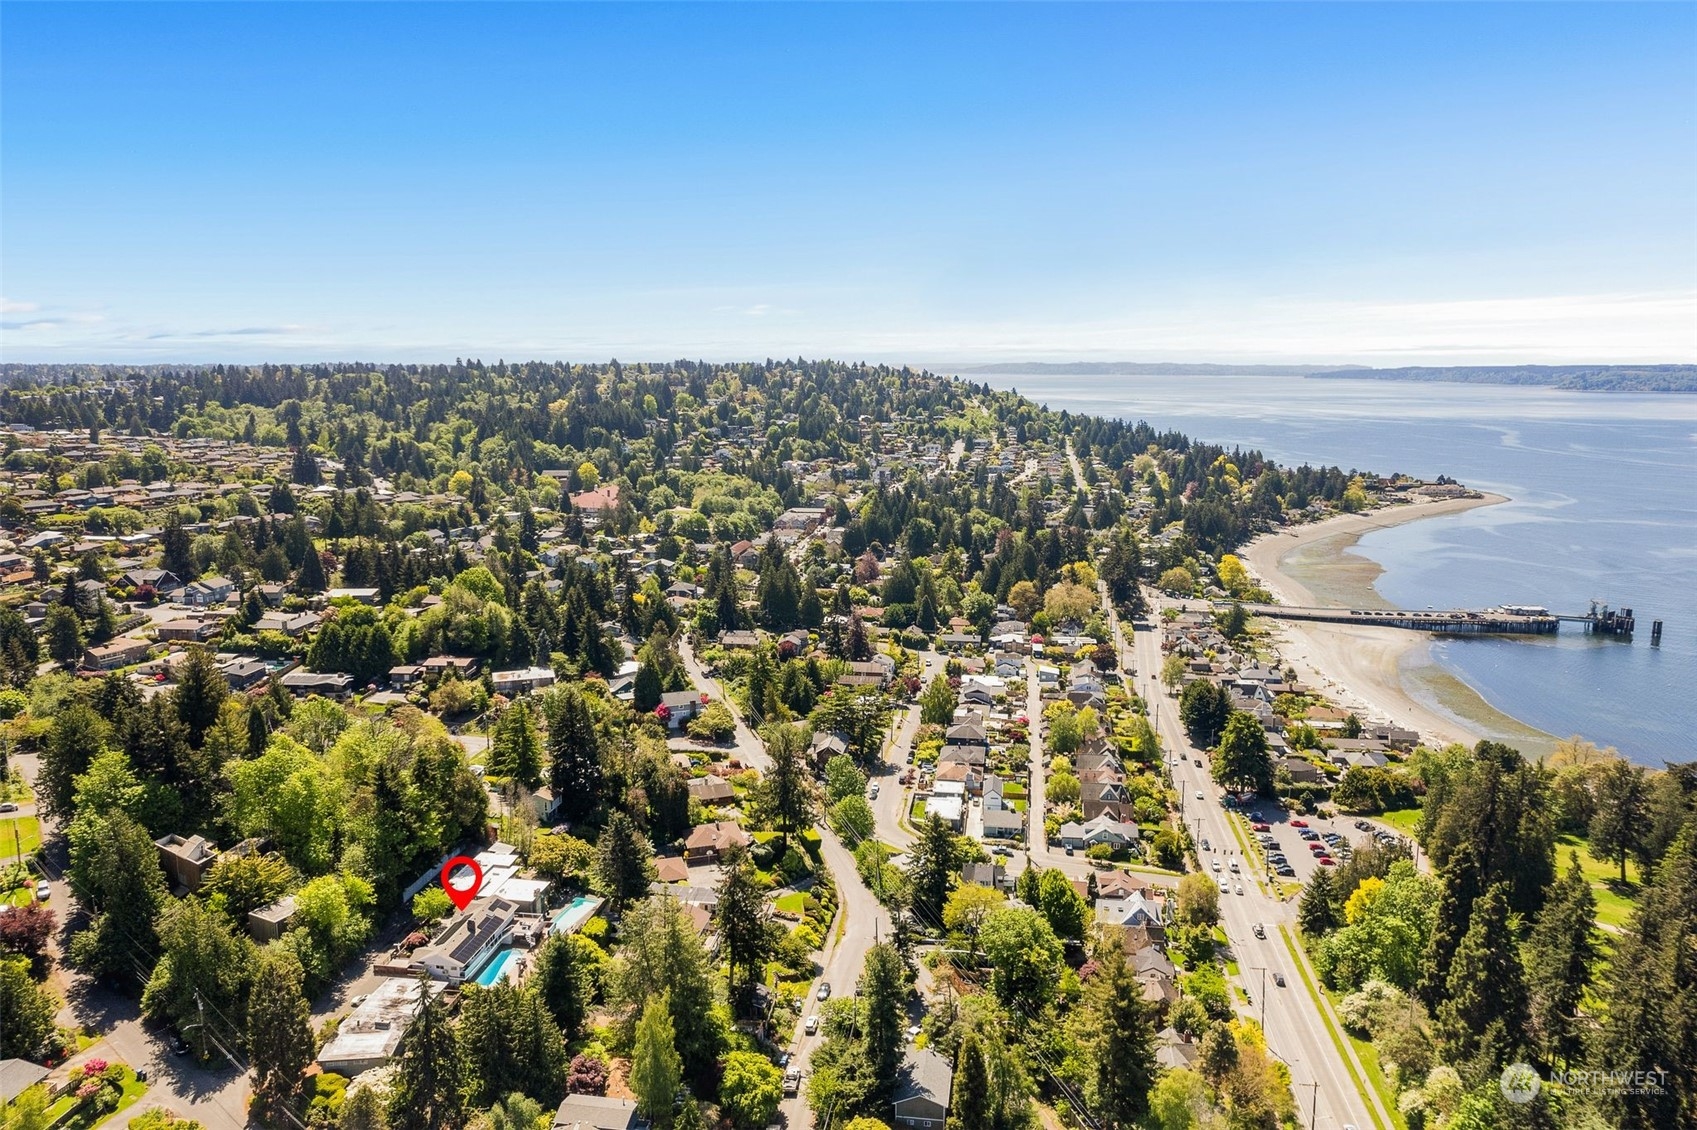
{"points": [[497, 967], [1604, 505]]}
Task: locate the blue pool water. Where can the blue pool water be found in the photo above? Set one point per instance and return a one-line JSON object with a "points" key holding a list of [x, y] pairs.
{"points": [[575, 913], [497, 968]]}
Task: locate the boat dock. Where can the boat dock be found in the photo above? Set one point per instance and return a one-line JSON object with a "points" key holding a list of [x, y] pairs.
{"points": [[1509, 620]]}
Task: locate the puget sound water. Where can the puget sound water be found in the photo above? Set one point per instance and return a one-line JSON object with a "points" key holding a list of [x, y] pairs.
{"points": [[1603, 490]]}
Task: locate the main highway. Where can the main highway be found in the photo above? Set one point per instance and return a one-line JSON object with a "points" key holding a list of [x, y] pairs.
{"points": [[1328, 1097]]}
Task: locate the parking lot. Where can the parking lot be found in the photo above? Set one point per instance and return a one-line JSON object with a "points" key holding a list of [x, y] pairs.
{"points": [[1294, 847]]}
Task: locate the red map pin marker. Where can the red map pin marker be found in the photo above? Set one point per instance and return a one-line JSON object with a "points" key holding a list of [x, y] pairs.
{"points": [[462, 895]]}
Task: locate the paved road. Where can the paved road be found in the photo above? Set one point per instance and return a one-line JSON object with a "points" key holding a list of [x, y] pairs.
{"points": [[1296, 1032], [746, 746]]}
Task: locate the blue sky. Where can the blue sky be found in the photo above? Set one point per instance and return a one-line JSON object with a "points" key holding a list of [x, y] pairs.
{"points": [[1376, 183]]}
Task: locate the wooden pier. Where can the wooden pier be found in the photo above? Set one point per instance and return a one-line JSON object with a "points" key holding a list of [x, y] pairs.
{"points": [[1491, 621], [1509, 620]]}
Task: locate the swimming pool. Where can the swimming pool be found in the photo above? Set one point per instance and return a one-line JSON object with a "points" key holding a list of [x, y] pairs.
{"points": [[571, 917], [497, 968]]}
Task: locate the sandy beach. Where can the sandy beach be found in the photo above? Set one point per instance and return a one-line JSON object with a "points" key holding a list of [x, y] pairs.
{"points": [[1382, 672]]}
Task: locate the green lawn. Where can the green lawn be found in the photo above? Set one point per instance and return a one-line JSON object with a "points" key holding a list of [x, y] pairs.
{"points": [[19, 837], [1404, 820], [1614, 900], [793, 903], [132, 1093]]}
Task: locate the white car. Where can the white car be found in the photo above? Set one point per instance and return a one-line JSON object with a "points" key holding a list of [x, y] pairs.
{"points": [[873, 791], [1225, 887], [1199, 796], [1240, 888], [812, 1025], [42, 891], [1216, 866]]}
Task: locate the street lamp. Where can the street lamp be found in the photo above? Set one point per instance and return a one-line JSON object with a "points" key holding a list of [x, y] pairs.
{"points": [[1263, 970]]}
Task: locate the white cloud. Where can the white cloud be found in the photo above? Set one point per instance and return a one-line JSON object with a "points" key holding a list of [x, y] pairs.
{"points": [[8, 306]]}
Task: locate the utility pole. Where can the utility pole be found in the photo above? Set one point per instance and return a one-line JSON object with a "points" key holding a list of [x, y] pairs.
{"points": [[1313, 1102], [1263, 970]]}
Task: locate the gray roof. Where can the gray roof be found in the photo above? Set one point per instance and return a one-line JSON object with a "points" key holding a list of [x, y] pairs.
{"points": [[924, 1075], [596, 1112], [19, 1075]]}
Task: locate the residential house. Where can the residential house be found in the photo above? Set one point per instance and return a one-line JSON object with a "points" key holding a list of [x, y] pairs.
{"points": [[923, 1087], [597, 1112], [188, 629], [1003, 824], [243, 671], [707, 842], [120, 652], [268, 922], [826, 745], [522, 681], [437, 666], [406, 675], [186, 861], [469, 942], [992, 875], [160, 580], [681, 706], [371, 1035], [711, 790], [291, 624], [1105, 799], [208, 591], [732, 641], [1101, 830], [330, 684], [1136, 909]]}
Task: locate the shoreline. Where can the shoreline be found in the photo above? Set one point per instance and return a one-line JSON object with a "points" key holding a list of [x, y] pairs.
{"points": [[1385, 672]]}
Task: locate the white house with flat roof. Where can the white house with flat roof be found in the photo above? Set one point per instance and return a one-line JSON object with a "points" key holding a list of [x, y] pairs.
{"points": [[371, 1034]]}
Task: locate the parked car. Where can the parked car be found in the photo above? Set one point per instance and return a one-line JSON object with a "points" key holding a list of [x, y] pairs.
{"points": [[1299, 823], [872, 790], [1069, 849], [1326, 861], [792, 1081], [1285, 871], [8, 807], [812, 1025], [43, 892], [1261, 827]]}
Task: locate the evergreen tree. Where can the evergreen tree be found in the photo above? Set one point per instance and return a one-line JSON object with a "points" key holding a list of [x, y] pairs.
{"points": [[645, 693], [430, 1079], [1461, 888], [1120, 1034], [1559, 956], [574, 752], [64, 632], [656, 1070], [1317, 912], [1650, 1024], [26, 1011], [279, 1036], [76, 736], [742, 921], [663, 953], [1621, 817], [200, 692], [883, 990], [786, 789], [969, 1106], [363, 1110], [177, 556], [931, 868], [311, 577], [622, 867], [562, 976], [1483, 1012], [122, 886], [510, 1043], [515, 750]]}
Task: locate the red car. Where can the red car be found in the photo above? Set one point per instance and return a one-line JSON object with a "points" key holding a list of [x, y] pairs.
{"points": [[1318, 849], [1299, 823], [1261, 827], [1325, 861]]}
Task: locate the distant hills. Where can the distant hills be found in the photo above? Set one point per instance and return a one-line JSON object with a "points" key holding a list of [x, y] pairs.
{"points": [[1585, 378]]}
